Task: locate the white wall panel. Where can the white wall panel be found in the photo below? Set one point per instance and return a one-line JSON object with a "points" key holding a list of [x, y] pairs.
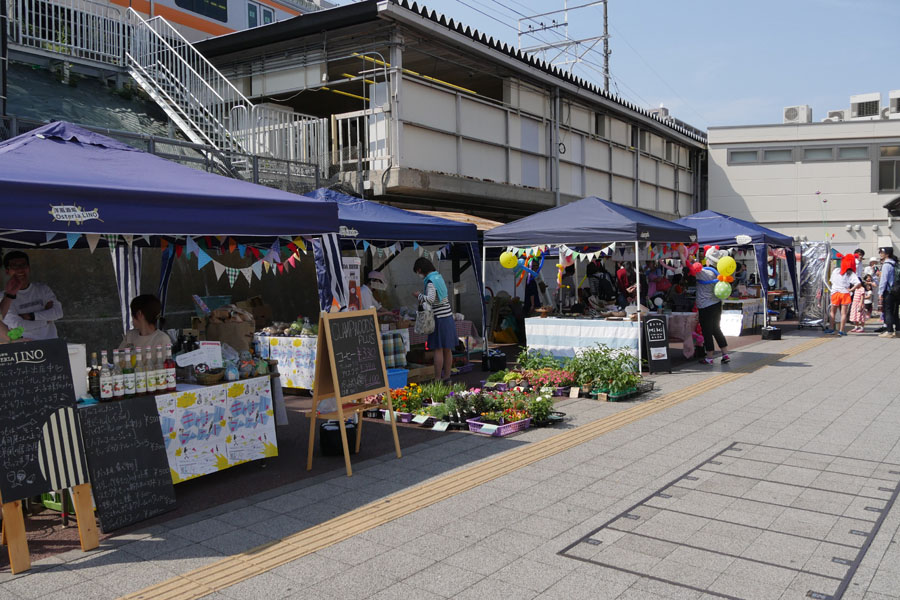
{"points": [[427, 150], [647, 196], [623, 162], [685, 205], [482, 161], [427, 106], [666, 175], [618, 131], [597, 184], [623, 191], [482, 121], [666, 201], [647, 169]]}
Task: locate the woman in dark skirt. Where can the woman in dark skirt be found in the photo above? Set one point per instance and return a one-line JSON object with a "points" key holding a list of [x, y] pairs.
{"points": [[443, 339]]}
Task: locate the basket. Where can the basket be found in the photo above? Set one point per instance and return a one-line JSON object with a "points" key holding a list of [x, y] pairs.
{"points": [[211, 378], [402, 417], [475, 426]]}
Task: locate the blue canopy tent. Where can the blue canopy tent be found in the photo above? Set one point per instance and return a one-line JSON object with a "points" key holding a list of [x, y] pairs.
{"points": [[590, 221], [373, 222], [716, 229], [63, 185]]}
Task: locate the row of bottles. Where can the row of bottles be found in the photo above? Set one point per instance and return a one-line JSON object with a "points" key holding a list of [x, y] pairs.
{"points": [[127, 377]]}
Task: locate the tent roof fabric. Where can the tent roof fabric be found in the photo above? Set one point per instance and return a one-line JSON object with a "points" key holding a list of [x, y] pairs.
{"points": [[590, 220], [716, 229], [61, 178], [372, 221]]}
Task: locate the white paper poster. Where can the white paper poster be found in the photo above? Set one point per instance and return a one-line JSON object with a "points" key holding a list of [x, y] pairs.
{"points": [[352, 280]]}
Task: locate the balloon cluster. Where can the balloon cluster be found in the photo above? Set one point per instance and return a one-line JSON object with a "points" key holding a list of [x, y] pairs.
{"points": [[724, 268], [527, 266]]}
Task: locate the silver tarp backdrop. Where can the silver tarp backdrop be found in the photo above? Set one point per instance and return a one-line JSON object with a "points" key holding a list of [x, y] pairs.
{"points": [[813, 296]]}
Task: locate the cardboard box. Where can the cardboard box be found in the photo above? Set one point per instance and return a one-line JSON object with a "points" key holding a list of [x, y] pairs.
{"points": [[262, 312], [237, 335]]}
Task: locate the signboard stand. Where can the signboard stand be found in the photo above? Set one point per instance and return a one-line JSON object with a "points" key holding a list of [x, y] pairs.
{"points": [[349, 368], [40, 441], [656, 336]]}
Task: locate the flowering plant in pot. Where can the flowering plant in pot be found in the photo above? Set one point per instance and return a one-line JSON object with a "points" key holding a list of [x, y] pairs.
{"points": [[540, 407]]}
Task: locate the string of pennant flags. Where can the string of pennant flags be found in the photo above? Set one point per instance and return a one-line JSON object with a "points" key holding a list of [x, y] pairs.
{"points": [[280, 257], [655, 251], [396, 247]]}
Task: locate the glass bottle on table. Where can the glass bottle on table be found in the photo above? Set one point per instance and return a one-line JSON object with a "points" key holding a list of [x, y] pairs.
{"points": [[169, 364], [152, 386], [106, 379], [128, 374], [94, 377], [140, 374], [118, 377], [160, 370]]}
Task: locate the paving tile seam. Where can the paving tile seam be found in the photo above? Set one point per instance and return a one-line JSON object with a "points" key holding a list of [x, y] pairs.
{"points": [[232, 570]]}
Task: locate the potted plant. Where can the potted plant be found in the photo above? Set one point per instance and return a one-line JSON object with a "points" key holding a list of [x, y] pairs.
{"points": [[540, 407]]}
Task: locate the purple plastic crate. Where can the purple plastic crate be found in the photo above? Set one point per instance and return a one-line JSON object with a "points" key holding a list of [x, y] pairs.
{"points": [[475, 426]]}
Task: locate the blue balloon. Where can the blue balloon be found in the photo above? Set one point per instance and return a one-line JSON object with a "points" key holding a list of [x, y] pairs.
{"points": [[521, 263]]}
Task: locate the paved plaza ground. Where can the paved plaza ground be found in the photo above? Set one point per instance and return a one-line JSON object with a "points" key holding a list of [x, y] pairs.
{"points": [[772, 477]]}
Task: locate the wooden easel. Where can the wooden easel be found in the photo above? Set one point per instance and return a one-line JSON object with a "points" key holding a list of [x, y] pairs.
{"points": [[327, 385], [13, 534]]}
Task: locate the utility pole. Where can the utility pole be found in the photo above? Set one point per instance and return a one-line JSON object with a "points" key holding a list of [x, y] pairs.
{"points": [[568, 51], [605, 48]]}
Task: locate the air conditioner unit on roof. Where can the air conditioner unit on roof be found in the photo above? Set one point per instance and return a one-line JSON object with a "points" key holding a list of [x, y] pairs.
{"points": [[894, 104], [865, 106], [837, 115], [798, 114]]}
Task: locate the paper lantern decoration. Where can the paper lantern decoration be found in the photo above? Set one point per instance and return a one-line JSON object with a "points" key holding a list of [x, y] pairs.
{"points": [[722, 290], [508, 260], [726, 265]]}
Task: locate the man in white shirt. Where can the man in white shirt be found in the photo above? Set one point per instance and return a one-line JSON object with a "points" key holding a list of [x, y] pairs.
{"points": [[33, 305], [374, 281]]}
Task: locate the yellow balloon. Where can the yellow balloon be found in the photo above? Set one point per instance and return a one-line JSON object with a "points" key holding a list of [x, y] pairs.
{"points": [[726, 265], [508, 260]]}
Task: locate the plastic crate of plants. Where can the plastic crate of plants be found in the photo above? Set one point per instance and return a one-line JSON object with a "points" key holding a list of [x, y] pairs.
{"points": [[506, 422]]}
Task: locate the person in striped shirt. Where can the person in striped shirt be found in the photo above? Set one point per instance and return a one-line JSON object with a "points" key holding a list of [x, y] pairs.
{"points": [[443, 339]]}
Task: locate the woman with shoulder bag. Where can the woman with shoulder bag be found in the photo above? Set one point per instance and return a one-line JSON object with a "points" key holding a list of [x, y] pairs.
{"points": [[443, 339]]}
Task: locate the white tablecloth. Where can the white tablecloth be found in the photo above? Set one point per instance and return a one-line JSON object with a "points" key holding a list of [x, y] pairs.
{"points": [[563, 337], [732, 324]]}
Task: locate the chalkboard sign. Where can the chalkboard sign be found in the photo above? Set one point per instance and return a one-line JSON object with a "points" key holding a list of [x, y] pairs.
{"points": [[656, 336], [40, 438], [355, 345], [126, 456]]}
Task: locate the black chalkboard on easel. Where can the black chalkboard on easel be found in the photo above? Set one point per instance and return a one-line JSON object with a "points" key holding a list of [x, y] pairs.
{"points": [[127, 461], [355, 344], [40, 439], [656, 343]]}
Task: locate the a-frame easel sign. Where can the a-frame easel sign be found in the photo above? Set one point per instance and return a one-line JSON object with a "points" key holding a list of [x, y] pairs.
{"points": [[349, 368], [41, 448]]}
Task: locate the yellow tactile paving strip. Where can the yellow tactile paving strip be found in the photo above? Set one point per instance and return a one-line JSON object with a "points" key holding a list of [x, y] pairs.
{"points": [[229, 571]]}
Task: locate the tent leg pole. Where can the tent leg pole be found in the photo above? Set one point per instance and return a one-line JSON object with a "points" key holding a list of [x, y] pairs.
{"points": [[637, 273], [483, 288]]}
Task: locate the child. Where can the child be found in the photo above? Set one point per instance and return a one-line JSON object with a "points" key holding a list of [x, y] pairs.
{"points": [[858, 310], [844, 283], [869, 298]]}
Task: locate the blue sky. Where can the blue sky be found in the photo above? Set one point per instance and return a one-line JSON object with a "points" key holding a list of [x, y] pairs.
{"points": [[724, 62]]}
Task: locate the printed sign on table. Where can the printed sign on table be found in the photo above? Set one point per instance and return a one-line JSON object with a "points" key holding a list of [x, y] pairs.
{"points": [[209, 429]]}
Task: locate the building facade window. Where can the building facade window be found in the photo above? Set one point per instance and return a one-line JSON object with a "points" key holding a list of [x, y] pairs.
{"points": [[853, 153], [781, 155], [815, 154], [889, 169], [600, 125], [257, 15], [743, 157], [214, 9]]}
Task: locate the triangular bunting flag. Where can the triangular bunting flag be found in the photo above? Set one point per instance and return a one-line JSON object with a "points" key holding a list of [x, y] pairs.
{"points": [[129, 239], [415, 245], [92, 239], [192, 247], [163, 244], [72, 239], [280, 268], [292, 247], [242, 250], [255, 251], [112, 239], [290, 261], [266, 265], [365, 246], [146, 239], [232, 275], [221, 238], [178, 250], [247, 272], [421, 251], [220, 268], [276, 252], [257, 269], [203, 259], [232, 245], [50, 236]]}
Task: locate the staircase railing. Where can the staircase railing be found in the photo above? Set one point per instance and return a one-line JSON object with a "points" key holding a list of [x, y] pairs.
{"points": [[76, 28], [208, 107]]}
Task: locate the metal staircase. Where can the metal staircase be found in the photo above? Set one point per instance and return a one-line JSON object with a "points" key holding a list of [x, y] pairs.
{"points": [[207, 107]]}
